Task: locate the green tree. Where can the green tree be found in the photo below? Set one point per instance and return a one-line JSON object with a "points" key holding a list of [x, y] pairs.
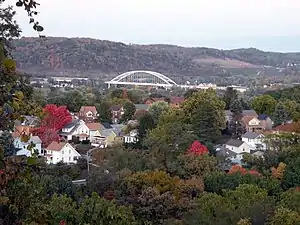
{"points": [[285, 216], [187, 166], [157, 109], [290, 199], [116, 93], [292, 174], [292, 107], [189, 93], [205, 111], [280, 115], [229, 96], [264, 104], [129, 110], [236, 125], [99, 211], [105, 114], [211, 209], [169, 140], [146, 124]]}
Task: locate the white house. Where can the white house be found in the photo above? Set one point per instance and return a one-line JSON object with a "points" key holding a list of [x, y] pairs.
{"points": [[238, 146], [22, 146], [255, 140], [61, 152], [76, 128], [132, 137]]}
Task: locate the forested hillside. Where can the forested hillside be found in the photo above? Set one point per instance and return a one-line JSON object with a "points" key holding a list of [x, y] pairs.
{"points": [[105, 57]]}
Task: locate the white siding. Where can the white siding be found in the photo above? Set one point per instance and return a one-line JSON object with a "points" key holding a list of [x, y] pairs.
{"points": [[67, 155], [241, 149]]}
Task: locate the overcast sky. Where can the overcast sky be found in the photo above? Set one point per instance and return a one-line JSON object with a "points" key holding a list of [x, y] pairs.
{"points": [[265, 24]]}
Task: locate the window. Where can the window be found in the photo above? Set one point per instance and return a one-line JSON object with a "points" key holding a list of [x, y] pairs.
{"points": [[243, 149], [69, 151], [69, 159], [62, 152]]}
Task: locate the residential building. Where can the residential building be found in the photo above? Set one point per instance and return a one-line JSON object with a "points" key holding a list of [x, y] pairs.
{"points": [[238, 146], [229, 156], [30, 121], [21, 130], [75, 129], [94, 134], [255, 140], [88, 113], [252, 124], [61, 152], [265, 121], [28, 147], [246, 113], [117, 112], [286, 128], [132, 137]]}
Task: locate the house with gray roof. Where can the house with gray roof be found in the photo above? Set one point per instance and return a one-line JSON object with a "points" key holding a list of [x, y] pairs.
{"points": [[28, 147], [255, 140], [238, 146]]}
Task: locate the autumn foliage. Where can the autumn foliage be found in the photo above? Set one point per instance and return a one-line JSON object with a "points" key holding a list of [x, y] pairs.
{"points": [[55, 119], [279, 171], [197, 148], [239, 169]]}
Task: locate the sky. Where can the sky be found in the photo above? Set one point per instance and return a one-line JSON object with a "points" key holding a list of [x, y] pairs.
{"points": [[272, 25]]}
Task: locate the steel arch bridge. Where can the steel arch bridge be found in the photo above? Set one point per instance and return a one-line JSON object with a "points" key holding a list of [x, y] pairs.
{"points": [[143, 78]]}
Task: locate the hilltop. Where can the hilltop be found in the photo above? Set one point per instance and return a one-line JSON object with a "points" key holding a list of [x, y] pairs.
{"points": [[93, 57]]}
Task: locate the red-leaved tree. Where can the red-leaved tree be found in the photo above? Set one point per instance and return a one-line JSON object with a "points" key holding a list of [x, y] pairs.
{"points": [[55, 119], [197, 148], [239, 169]]}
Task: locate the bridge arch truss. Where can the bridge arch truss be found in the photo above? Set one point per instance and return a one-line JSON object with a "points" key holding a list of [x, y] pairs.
{"points": [[143, 77]]}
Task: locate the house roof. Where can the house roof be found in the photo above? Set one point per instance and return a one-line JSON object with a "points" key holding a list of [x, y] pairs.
{"points": [[31, 120], [86, 109], [71, 124], [94, 126], [247, 119], [289, 127], [142, 106], [19, 130], [106, 125], [177, 100], [117, 128], [74, 124], [250, 135], [107, 132], [35, 140], [234, 142], [250, 112], [116, 107], [225, 152], [56, 146], [263, 117]]}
